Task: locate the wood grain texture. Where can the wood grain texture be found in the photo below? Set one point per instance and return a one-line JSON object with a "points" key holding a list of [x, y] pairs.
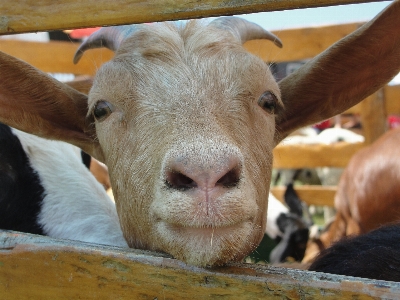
{"points": [[44, 15], [36, 267]]}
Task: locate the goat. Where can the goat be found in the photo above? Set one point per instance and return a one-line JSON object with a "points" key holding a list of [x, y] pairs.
{"points": [[287, 227], [46, 189], [373, 255], [186, 120], [368, 194]]}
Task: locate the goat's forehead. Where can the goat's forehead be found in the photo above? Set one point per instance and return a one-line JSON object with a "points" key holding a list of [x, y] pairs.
{"points": [[140, 79], [172, 36], [174, 63]]}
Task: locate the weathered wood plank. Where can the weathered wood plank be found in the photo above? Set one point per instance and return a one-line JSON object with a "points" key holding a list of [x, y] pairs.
{"points": [[310, 194], [31, 16], [312, 156], [38, 267]]}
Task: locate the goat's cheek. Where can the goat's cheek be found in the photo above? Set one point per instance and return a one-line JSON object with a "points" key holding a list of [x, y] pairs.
{"points": [[129, 176], [259, 161], [133, 184]]}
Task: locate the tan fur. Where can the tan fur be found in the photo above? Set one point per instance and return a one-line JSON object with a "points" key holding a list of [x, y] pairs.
{"points": [[160, 116]]}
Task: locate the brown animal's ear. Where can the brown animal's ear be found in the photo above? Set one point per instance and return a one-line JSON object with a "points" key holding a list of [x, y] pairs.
{"points": [[35, 103], [343, 75]]}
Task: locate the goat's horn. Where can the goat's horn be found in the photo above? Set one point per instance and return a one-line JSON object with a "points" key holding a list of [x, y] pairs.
{"points": [[108, 37], [245, 30]]}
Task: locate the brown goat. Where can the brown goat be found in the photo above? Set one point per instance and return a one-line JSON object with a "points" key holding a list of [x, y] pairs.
{"points": [[368, 193], [186, 121]]}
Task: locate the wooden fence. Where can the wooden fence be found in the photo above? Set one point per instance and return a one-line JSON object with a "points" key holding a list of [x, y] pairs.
{"points": [[373, 111], [35, 267]]}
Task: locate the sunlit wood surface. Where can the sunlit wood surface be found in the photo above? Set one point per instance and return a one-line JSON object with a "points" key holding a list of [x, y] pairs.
{"points": [[36, 267]]}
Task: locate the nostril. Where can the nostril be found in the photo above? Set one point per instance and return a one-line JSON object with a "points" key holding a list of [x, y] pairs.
{"points": [[179, 181], [230, 179]]}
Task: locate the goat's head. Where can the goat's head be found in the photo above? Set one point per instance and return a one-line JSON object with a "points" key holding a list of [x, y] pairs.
{"points": [[186, 121], [192, 110]]}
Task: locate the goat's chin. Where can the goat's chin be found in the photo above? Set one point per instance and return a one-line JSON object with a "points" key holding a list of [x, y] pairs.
{"points": [[207, 247]]}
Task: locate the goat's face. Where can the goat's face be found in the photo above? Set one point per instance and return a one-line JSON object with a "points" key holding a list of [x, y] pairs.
{"points": [[182, 125]]}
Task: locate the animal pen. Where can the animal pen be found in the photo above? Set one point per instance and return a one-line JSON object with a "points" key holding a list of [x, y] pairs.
{"points": [[39, 267]]}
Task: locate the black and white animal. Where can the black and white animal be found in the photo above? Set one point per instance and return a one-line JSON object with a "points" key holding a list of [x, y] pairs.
{"points": [[46, 189], [287, 226]]}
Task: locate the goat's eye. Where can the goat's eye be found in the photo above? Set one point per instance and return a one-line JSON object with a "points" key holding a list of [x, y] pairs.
{"points": [[268, 102], [102, 110]]}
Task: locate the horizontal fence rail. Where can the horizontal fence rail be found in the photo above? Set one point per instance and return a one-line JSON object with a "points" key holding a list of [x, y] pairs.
{"points": [[45, 15], [38, 267], [55, 56], [310, 194], [313, 156]]}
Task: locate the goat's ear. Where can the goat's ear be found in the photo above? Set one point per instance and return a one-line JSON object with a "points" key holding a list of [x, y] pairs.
{"points": [[33, 102], [343, 75]]}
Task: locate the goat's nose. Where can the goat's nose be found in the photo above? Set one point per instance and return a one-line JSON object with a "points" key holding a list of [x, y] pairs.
{"points": [[183, 175]]}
